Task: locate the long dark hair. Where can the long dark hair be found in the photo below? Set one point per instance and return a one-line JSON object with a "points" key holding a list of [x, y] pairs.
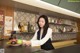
{"points": [[46, 26]]}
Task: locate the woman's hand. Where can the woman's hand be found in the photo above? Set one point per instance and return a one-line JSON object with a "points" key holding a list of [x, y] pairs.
{"points": [[28, 43], [24, 42]]}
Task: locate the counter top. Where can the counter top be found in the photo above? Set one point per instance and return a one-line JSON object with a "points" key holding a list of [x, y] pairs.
{"points": [[27, 49]]}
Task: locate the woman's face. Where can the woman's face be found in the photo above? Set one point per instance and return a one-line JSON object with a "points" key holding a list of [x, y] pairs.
{"points": [[41, 22]]}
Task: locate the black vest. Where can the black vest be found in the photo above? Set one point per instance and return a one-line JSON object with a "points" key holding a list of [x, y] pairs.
{"points": [[47, 45]]}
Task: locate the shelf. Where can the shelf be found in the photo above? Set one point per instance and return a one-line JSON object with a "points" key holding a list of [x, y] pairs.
{"points": [[52, 33], [25, 33], [61, 24], [64, 33]]}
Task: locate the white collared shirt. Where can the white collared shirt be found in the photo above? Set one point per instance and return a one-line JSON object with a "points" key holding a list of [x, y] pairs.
{"points": [[35, 42]]}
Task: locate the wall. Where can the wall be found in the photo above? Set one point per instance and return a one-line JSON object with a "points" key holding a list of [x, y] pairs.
{"points": [[8, 11], [78, 34], [24, 17]]}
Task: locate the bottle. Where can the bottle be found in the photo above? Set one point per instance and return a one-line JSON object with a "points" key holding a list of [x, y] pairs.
{"points": [[28, 26], [64, 30]]}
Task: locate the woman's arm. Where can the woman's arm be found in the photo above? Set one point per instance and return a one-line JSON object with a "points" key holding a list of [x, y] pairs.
{"points": [[29, 42], [42, 41], [35, 36]]}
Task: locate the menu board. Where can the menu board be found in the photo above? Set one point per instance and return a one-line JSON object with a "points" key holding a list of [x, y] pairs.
{"points": [[8, 25]]}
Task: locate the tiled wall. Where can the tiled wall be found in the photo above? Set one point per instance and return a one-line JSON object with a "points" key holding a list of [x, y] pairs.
{"points": [[24, 17], [64, 36]]}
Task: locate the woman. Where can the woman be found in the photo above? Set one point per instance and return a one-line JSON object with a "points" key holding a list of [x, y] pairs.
{"points": [[43, 35]]}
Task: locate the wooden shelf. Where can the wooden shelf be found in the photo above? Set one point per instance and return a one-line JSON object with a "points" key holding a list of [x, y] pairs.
{"points": [[25, 33], [61, 24], [64, 33]]}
